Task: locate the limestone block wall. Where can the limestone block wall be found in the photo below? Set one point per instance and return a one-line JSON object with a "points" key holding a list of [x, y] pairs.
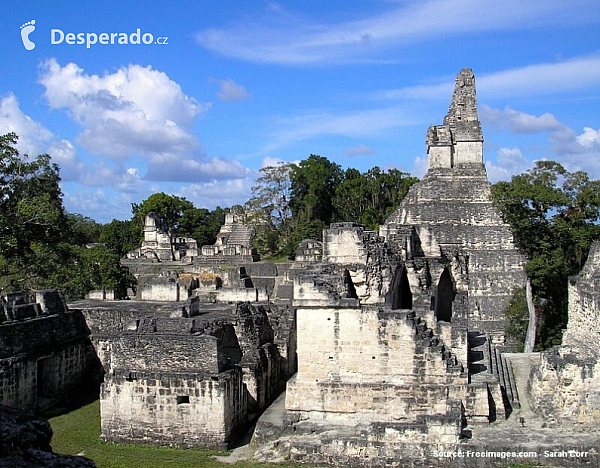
{"points": [[368, 363], [159, 289], [583, 327], [565, 388], [181, 410], [42, 357]]}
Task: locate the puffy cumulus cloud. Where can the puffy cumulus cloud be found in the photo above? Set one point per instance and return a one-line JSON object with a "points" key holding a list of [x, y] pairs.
{"points": [[173, 168], [64, 154], [36, 139], [360, 150], [509, 162], [590, 138], [219, 192], [578, 151], [100, 204], [133, 111], [518, 122], [231, 91], [123, 180], [33, 136]]}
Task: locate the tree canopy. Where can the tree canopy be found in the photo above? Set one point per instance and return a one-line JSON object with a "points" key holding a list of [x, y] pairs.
{"points": [[297, 201], [41, 245], [554, 215]]}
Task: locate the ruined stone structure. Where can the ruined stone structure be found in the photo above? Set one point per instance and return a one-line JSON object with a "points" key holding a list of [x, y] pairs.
{"points": [[399, 332], [44, 350], [190, 375], [161, 245], [173, 269], [234, 242], [565, 387]]}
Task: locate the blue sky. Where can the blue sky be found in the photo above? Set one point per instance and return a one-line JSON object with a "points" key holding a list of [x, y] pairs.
{"points": [[244, 84]]}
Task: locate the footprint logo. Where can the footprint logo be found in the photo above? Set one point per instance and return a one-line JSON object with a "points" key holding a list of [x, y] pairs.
{"points": [[26, 30]]}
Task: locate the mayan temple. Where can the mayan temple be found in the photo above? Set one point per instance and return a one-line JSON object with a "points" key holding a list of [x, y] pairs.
{"points": [[400, 332], [449, 216]]}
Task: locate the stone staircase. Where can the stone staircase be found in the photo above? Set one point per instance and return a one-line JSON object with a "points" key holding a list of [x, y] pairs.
{"points": [[487, 363], [240, 235], [436, 346]]}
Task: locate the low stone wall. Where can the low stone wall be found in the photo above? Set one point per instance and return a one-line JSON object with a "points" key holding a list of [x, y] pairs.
{"points": [[187, 411]]}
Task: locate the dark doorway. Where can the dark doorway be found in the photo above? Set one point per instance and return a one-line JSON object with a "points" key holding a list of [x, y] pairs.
{"points": [[350, 289], [402, 296], [46, 377], [444, 296]]}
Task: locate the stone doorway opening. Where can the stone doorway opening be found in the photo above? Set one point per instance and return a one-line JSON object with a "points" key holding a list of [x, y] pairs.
{"points": [[444, 296]]}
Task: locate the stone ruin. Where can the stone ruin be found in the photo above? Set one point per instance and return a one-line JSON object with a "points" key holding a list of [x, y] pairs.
{"points": [[190, 376], [173, 269], [234, 241], [394, 340], [400, 332], [160, 245], [565, 387], [45, 353]]}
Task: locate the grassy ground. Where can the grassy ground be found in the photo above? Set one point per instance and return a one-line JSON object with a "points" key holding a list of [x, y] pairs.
{"points": [[76, 433]]}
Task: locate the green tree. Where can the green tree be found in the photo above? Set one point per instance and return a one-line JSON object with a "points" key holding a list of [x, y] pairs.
{"points": [[82, 230], [120, 236], [269, 208], [181, 216], [554, 215], [371, 197], [517, 317], [32, 217], [313, 184]]}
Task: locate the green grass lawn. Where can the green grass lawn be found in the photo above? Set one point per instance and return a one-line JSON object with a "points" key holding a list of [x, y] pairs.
{"points": [[77, 433]]}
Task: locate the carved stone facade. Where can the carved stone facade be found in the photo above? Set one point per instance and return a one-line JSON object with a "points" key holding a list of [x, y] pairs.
{"points": [[234, 242], [161, 245]]}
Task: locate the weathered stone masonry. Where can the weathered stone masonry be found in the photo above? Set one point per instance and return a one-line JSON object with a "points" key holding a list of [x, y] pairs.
{"points": [[187, 375], [565, 387], [44, 350], [399, 331]]}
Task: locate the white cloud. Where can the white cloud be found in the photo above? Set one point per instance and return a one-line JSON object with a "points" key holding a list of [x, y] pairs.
{"points": [[285, 38], [136, 110], [579, 73], [509, 162], [173, 168], [518, 122], [64, 154], [578, 151], [222, 193], [231, 91], [590, 138], [33, 136], [420, 166], [360, 150]]}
